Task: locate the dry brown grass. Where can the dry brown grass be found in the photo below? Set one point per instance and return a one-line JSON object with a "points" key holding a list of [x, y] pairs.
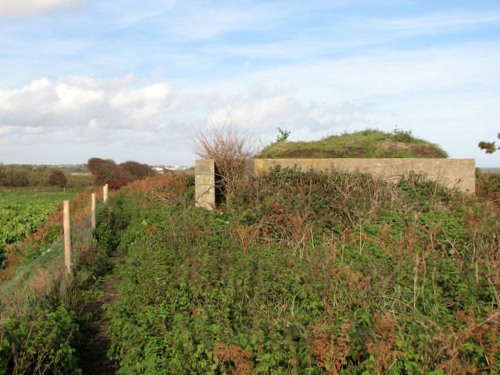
{"points": [[331, 351], [236, 358], [383, 347], [162, 187]]}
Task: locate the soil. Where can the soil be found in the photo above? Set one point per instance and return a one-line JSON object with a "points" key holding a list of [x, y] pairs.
{"points": [[93, 355]]}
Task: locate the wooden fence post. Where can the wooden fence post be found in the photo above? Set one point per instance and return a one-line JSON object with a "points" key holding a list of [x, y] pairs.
{"points": [[67, 238], [105, 193], [92, 212]]}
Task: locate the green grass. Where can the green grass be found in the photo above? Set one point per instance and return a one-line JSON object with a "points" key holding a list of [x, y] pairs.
{"points": [[363, 144]]}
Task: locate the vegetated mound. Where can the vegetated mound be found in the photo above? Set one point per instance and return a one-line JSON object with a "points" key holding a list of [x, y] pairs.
{"points": [[363, 144]]}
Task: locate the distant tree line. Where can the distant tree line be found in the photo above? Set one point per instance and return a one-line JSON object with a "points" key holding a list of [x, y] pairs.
{"points": [[30, 176], [101, 172], [117, 175]]}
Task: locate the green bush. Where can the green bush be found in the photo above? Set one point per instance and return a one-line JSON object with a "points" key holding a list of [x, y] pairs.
{"points": [[42, 342]]}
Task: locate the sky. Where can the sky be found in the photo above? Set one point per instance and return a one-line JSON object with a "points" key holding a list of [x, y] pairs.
{"points": [[136, 80]]}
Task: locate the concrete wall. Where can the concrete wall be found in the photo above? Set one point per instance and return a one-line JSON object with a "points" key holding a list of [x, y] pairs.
{"points": [[453, 173], [205, 184]]}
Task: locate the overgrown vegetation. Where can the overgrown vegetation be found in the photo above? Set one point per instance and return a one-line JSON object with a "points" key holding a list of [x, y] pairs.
{"points": [[488, 186], [307, 273], [363, 144], [300, 272]]}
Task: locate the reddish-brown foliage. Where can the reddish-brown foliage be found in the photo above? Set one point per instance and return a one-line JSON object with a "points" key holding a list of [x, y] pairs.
{"points": [[236, 358]]}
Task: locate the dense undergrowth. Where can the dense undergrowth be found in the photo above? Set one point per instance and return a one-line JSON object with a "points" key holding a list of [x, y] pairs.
{"points": [[305, 272], [488, 186], [300, 272]]}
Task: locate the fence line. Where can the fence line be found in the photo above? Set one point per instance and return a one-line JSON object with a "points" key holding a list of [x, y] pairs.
{"points": [[67, 237], [92, 211], [68, 263]]}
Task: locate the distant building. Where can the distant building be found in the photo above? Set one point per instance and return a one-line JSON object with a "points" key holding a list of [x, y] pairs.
{"points": [[168, 168], [158, 169]]}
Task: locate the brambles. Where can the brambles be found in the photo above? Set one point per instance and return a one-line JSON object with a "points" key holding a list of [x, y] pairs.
{"points": [[309, 273], [303, 272], [488, 186], [41, 343]]}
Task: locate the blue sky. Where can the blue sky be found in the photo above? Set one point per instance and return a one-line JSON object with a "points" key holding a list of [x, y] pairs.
{"points": [[134, 80]]}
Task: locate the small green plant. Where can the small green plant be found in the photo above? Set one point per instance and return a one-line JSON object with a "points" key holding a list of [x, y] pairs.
{"points": [[404, 136], [489, 147], [282, 135], [41, 343]]}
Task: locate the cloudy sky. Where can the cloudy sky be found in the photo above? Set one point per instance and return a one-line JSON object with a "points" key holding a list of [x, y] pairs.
{"points": [[134, 80]]}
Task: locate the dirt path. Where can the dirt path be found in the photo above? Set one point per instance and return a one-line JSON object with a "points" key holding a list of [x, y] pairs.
{"points": [[93, 356]]}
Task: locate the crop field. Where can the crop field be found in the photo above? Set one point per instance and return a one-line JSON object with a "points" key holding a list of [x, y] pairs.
{"points": [[22, 211]]}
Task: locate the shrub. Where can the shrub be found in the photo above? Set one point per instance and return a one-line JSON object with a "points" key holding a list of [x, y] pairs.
{"points": [[137, 171], [116, 176], [13, 176], [489, 147], [229, 147], [488, 186], [107, 172], [57, 178]]}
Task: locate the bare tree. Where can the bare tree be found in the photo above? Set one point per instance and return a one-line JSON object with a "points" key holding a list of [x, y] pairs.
{"points": [[229, 146]]}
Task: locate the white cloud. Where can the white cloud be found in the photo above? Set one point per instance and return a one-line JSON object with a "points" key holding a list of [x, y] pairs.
{"points": [[79, 102], [85, 110], [263, 109], [71, 98], [32, 7], [149, 103]]}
